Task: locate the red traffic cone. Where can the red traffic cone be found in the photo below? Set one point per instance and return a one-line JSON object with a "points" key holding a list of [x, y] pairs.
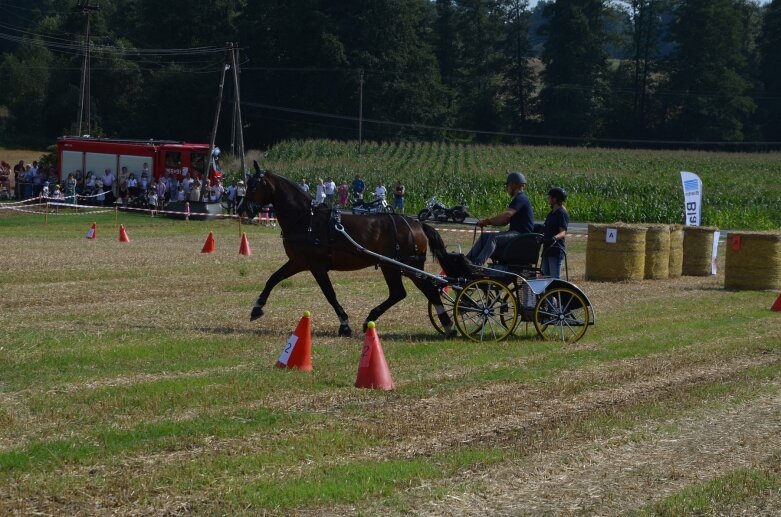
{"points": [[123, 234], [244, 249], [373, 370], [777, 306], [298, 350], [92, 234], [208, 246]]}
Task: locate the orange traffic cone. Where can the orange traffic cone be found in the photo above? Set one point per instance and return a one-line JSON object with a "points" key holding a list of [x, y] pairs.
{"points": [[298, 350], [123, 234], [777, 306], [92, 234], [208, 246], [244, 249], [373, 370]]}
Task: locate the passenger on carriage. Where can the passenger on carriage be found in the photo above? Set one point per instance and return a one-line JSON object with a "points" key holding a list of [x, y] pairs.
{"points": [[519, 214], [555, 232]]}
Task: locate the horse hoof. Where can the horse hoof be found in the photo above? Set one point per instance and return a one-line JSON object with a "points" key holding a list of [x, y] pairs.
{"points": [[256, 313], [345, 331]]}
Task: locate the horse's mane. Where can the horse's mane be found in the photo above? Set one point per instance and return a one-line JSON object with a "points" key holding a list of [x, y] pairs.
{"points": [[289, 190]]}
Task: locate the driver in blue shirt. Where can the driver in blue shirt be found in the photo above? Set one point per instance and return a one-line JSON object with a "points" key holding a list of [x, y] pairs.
{"points": [[519, 215]]}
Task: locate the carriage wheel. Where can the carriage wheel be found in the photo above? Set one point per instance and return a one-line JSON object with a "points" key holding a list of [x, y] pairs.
{"points": [[485, 310], [506, 317], [449, 301], [561, 314]]}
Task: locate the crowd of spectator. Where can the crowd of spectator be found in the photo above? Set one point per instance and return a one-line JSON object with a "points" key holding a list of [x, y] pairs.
{"points": [[327, 192]]}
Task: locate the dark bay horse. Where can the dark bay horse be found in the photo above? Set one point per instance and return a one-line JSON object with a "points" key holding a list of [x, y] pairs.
{"points": [[313, 243]]}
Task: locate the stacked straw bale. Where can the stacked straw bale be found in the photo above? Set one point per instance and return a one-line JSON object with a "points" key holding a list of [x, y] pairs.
{"points": [[624, 260], [676, 250], [657, 252], [698, 250], [753, 261]]}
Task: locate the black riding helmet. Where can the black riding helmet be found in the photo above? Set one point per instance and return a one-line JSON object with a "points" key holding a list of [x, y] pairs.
{"points": [[516, 178], [558, 193]]}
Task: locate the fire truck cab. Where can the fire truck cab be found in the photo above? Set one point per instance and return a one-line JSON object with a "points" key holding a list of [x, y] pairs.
{"points": [[81, 155]]}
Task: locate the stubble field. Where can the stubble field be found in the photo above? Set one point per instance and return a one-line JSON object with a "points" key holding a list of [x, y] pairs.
{"points": [[132, 382]]}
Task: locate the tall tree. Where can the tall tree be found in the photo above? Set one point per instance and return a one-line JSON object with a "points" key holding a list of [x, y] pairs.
{"points": [[520, 77], [574, 91], [770, 73], [708, 88]]}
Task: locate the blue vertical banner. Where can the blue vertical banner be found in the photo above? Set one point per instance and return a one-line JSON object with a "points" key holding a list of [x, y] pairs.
{"points": [[692, 198]]}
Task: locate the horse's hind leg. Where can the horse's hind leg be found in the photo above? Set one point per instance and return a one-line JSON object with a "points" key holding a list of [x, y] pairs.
{"points": [[396, 293], [324, 281], [288, 269], [432, 294]]}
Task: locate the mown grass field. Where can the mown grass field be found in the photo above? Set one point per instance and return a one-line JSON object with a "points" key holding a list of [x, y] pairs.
{"points": [[133, 382], [740, 190]]}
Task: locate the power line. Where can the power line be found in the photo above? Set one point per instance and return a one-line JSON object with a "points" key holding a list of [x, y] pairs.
{"points": [[571, 139]]}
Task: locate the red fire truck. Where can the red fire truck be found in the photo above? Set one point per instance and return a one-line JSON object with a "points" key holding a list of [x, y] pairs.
{"points": [[161, 157]]}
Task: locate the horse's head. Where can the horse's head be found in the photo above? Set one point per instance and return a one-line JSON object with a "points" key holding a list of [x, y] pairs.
{"points": [[260, 186]]}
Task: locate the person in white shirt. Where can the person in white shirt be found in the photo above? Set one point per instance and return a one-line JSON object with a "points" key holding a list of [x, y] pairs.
{"points": [[330, 191], [380, 192]]}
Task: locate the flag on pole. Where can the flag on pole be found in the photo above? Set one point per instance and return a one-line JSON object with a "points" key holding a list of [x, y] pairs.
{"points": [[692, 198]]}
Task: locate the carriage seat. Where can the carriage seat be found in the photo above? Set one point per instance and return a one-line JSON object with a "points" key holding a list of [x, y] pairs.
{"points": [[522, 253]]}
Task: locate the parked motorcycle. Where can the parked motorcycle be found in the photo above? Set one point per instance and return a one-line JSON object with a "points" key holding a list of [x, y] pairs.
{"points": [[437, 211], [376, 206]]}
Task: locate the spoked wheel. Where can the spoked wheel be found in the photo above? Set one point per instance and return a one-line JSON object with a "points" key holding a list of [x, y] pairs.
{"points": [[486, 310], [448, 301], [561, 315]]}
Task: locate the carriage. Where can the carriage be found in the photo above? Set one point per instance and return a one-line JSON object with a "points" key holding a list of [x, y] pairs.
{"points": [[491, 303], [486, 303]]}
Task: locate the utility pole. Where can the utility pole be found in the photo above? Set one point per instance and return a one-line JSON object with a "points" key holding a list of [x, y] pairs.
{"points": [[237, 105], [210, 160], [84, 98]]}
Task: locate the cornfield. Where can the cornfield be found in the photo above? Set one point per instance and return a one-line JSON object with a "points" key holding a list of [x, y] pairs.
{"points": [[741, 191]]}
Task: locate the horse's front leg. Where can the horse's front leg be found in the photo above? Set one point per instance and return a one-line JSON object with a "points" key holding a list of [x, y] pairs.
{"points": [[324, 281], [288, 269]]}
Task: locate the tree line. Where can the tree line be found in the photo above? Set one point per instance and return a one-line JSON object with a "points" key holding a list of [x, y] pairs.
{"points": [[636, 73]]}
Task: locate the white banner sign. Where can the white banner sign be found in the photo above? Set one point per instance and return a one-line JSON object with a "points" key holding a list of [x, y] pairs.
{"points": [[715, 261], [692, 198]]}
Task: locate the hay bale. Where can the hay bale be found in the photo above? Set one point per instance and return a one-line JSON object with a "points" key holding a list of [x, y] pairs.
{"points": [[676, 250], [753, 261], [622, 260], [698, 250], [657, 252]]}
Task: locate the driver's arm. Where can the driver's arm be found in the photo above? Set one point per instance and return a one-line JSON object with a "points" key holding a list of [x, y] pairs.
{"points": [[498, 220]]}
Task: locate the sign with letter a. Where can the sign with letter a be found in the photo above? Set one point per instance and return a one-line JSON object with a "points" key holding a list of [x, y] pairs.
{"points": [[611, 237], [692, 198]]}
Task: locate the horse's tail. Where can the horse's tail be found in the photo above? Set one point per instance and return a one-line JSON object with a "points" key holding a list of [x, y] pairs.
{"points": [[436, 243]]}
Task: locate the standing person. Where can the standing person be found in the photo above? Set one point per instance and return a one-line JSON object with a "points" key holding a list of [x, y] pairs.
{"points": [[344, 193], [70, 189], [330, 191], [358, 187], [398, 197], [303, 186], [519, 214], [230, 195], [554, 234], [381, 192], [108, 186], [241, 190], [19, 178], [319, 192]]}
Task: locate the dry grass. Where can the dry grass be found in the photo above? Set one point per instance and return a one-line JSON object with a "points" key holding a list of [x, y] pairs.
{"points": [[677, 384]]}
